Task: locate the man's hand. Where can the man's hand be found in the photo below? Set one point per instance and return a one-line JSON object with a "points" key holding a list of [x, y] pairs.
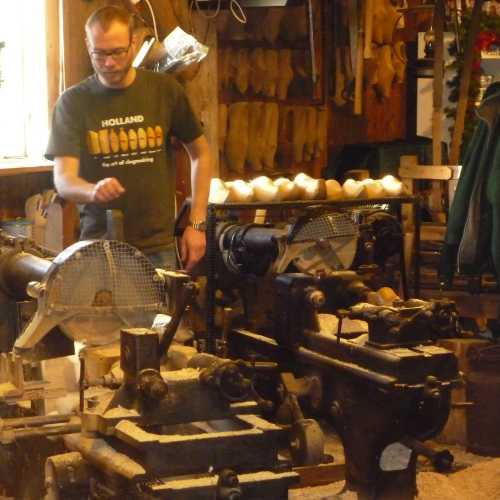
{"points": [[193, 247], [107, 189]]}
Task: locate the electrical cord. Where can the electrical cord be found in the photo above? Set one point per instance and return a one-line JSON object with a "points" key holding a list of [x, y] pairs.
{"points": [[207, 16], [234, 6], [237, 11], [153, 18]]}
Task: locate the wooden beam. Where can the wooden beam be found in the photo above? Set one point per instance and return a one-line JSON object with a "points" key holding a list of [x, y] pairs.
{"points": [[438, 83], [358, 79], [53, 52], [318, 475], [465, 77], [428, 172]]}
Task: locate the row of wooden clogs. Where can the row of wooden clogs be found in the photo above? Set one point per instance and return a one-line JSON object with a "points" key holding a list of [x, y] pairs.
{"points": [[302, 187]]}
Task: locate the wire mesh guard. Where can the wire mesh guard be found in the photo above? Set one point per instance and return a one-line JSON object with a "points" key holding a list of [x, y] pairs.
{"points": [[325, 241], [325, 226], [99, 287]]}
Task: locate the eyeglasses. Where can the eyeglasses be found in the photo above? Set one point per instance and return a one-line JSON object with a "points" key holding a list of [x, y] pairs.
{"points": [[115, 54]]}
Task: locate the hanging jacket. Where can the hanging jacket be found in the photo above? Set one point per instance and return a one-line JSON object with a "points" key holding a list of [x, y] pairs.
{"points": [[473, 233]]}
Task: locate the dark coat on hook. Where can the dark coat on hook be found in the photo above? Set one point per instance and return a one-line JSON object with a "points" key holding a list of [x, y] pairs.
{"points": [[473, 233]]}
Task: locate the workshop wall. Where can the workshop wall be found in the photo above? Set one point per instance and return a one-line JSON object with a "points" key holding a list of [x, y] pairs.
{"points": [[387, 92], [382, 119], [74, 57], [272, 92]]}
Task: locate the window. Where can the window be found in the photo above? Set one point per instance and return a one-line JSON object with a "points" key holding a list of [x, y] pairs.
{"points": [[23, 79]]}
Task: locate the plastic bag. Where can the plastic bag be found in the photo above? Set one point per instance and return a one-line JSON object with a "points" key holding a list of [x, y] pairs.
{"points": [[183, 50]]}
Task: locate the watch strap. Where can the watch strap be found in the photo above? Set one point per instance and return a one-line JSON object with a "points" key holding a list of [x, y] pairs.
{"points": [[199, 225]]}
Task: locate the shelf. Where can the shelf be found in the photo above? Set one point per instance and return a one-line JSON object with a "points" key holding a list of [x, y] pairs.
{"points": [[262, 44], [230, 94], [247, 4], [296, 101], [416, 8], [21, 166], [357, 202]]}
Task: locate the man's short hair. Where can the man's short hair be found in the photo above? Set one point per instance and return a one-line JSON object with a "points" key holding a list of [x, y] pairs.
{"points": [[106, 16]]}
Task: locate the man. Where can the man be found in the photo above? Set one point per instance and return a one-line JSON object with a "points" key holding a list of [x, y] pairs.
{"points": [[110, 142]]}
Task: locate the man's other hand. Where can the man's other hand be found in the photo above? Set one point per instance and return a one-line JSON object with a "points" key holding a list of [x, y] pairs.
{"points": [[193, 247], [107, 189]]}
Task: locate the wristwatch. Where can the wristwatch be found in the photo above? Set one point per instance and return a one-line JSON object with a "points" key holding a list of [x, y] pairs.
{"points": [[199, 225]]}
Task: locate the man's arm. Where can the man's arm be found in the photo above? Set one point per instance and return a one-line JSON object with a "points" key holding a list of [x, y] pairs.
{"points": [[72, 187], [193, 241]]}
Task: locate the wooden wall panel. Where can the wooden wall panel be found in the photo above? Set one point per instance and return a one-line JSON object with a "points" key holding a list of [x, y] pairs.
{"points": [[76, 62], [202, 93], [202, 89], [166, 18], [381, 121], [200, 82]]}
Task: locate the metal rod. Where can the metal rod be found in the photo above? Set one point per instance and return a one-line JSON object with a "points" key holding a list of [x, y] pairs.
{"points": [[46, 431], [114, 225], [352, 369], [81, 384], [463, 405], [402, 257], [186, 298], [18, 269], [32, 421], [210, 300], [308, 203], [416, 260]]}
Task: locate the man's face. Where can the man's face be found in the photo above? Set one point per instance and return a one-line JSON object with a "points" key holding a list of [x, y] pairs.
{"points": [[111, 53]]}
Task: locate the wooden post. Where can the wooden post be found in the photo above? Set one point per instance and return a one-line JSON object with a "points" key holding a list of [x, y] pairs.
{"points": [[358, 82], [367, 52], [437, 97], [435, 199], [465, 77], [53, 52]]}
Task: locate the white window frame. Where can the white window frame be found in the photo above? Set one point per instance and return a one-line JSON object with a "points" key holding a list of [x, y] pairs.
{"points": [[23, 92]]}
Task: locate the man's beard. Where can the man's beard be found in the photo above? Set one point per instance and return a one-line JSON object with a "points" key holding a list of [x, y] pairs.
{"points": [[113, 77]]}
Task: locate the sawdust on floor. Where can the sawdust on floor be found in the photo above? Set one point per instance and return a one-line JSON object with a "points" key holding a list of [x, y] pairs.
{"points": [[478, 480]]}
